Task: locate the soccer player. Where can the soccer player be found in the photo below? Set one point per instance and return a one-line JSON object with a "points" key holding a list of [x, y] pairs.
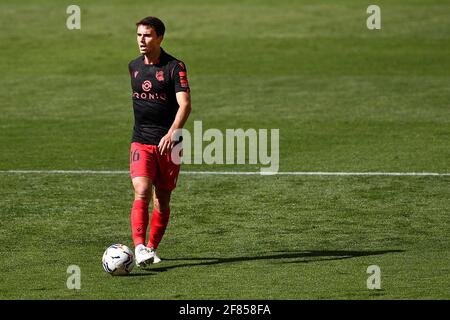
{"points": [[161, 103]]}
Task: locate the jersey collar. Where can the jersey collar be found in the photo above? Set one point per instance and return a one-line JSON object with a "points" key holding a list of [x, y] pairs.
{"points": [[161, 54]]}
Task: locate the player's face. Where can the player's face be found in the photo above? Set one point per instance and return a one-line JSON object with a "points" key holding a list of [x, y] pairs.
{"points": [[147, 39]]}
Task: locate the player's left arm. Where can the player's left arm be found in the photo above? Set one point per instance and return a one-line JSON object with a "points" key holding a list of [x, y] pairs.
{"points": [[184, 102]]}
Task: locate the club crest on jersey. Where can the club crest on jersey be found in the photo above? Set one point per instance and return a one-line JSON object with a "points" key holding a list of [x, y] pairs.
{"points": [[146, 85], [160, 75]]}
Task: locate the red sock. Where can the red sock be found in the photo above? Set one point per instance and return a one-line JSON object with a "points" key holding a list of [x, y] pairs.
{"points": [[139, 221], [158, 227]]}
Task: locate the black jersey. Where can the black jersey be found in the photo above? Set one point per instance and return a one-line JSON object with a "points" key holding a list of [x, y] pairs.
{"points": [[154, 90]]}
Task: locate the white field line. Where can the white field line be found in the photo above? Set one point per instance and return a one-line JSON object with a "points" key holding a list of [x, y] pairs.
{"points": [[236, 173]]}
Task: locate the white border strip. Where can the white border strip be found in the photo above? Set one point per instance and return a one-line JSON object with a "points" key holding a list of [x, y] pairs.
{"points": [[236, 173], [300, 173], [65, 171]]}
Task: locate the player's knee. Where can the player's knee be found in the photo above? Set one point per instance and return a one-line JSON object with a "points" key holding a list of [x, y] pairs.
{"points": [[142, 193], [161, 201], [161, 206], [142, 189], [139, 196]]}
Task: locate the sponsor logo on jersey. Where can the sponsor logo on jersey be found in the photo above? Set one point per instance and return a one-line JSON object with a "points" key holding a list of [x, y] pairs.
{"points": [[136, 73], [150, 96], [146, 85]]}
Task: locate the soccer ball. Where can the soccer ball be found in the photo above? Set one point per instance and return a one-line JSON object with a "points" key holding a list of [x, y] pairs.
{"points": [[118, 260]]}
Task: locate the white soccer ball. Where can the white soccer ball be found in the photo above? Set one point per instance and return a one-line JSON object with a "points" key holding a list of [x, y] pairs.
{"points": [[118, 260]]}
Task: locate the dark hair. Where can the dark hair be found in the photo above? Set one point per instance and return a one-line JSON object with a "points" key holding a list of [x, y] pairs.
{"points": [[153, 22]]}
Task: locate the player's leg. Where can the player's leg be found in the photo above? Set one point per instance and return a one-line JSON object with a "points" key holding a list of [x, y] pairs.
{"points": [[139, 220], [164, 182], [142, 171], [160, 217], [139, 212]]}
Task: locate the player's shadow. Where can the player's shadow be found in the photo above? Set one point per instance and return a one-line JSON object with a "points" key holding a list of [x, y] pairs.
{"points": [[283, 257]]}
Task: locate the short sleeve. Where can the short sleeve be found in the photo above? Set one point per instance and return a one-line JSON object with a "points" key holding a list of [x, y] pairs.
{"points": [[180, 79], [129, 68]]}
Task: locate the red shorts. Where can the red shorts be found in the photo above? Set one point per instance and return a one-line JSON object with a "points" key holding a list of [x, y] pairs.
{"points": [[146, 161]]}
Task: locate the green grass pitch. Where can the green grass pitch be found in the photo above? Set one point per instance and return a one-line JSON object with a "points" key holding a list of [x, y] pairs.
{"points": [[345, 98]]}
